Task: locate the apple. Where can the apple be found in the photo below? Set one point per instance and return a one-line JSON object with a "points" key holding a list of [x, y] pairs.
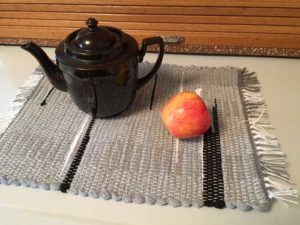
{"points": [[186, 116]]}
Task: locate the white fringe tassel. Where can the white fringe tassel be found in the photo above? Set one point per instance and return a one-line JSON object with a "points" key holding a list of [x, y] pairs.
{"points": [[23, 93], [271, 158]]}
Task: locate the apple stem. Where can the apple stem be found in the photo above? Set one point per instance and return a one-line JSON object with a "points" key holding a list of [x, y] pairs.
{"points": [[198, 91]]}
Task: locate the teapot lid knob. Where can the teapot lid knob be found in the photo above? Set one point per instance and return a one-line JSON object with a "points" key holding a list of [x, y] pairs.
{"points": [[92, 24]]}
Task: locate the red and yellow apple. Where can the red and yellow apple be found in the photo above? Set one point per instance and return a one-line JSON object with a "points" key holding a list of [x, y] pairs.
{"points": [[186, 116]]}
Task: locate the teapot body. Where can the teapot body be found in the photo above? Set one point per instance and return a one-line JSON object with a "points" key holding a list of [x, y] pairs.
{"points": [[104, 92]]}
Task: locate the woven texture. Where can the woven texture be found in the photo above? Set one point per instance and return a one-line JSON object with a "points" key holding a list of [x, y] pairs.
{"points": [[34, 147], [132, 157]]}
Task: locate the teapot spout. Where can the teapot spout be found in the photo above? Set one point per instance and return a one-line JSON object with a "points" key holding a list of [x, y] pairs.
{"points": [[53, 73]]}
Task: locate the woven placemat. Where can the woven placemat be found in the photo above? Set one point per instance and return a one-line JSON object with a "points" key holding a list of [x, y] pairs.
{"points": [[47, 142]]}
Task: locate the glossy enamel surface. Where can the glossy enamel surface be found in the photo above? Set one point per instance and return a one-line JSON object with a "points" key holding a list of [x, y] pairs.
{"points": [[98, 66]]}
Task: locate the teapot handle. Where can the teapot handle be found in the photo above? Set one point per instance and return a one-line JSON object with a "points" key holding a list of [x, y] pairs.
{"points": [[145, 43]]}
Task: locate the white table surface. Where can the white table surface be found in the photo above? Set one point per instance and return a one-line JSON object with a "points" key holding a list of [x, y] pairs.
{"points": [[280, 79]]}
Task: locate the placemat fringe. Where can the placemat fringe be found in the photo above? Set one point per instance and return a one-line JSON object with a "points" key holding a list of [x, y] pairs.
{"points": [[23, 93], [270, 157]]}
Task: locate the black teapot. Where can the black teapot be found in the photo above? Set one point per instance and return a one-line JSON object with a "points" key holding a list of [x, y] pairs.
{"points": [[98, 66]]}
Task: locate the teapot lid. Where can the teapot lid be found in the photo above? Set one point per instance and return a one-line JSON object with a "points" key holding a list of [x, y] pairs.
{"points": [[93, 37], [93, 44]]}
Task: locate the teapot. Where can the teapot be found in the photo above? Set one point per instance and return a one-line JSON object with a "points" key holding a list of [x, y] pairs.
{"points": [[98, 66]]}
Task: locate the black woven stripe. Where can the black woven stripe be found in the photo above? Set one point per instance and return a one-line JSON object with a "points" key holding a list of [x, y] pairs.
{"points": [[153, 92], [213, 186], [44, 102], [66, 184]]}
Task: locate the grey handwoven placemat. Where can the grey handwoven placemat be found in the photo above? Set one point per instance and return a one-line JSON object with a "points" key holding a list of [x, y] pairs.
{"points": [[132, 157], [34, 147]]}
